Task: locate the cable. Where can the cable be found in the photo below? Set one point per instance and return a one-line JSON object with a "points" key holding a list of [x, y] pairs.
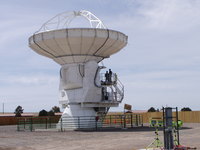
{"points": [[79, 68], [99, 86], [61, 73]]}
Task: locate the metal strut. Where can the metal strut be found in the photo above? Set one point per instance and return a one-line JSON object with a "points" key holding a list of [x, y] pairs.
{"points": [[62, 20]]}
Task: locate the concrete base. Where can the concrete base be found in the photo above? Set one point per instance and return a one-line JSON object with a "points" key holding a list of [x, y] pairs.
{"points": [[76, 117]]}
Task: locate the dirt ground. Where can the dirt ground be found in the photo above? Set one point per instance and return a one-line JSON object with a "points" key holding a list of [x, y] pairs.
{"points": [[129, 139]]}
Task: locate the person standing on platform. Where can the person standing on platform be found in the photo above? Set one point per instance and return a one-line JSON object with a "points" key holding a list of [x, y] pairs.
{"points": [[110, 76]]}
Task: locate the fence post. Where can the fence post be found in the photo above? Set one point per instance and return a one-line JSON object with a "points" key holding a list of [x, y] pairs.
{"points": [[31, 124], [121, 121], [96, 119], [46, 122], [61, 128], [24, 123], [18, 124], [49, 122], [124, 121], [110, 120], [142, 120], [131, 120], [96, 122], [41, 123], [79, 122], [136, 121]]}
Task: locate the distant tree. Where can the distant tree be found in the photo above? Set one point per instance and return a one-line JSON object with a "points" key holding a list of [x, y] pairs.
{"points": [[152, 109], [56, 109], [51, 113], [129, 111], [18, 111], [186, 109], [43, 113]]}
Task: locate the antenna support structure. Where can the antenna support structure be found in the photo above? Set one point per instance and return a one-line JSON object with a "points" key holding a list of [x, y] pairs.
{"points": [[63, 20]]}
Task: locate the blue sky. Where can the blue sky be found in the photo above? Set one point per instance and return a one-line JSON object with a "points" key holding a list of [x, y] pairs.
{"points": [[160, 66]]}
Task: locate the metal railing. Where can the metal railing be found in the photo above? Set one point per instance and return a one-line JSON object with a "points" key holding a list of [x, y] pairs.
{"points": [[115, 85], [32, 123], [80, 122]]}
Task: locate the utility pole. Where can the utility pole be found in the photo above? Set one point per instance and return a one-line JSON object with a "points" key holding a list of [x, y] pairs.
{"points": [[168, 128], [3, 108]]}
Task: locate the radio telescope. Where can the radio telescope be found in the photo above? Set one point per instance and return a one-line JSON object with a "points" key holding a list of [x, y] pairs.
{"points": [[84, 91]]}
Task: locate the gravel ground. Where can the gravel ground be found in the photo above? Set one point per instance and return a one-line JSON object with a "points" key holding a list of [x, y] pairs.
{"points": [[130, 139]]}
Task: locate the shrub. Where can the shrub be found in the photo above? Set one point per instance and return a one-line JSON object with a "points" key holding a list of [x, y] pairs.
{"points": [[43, 113], [51, 113], [55, 109], [18, 111], [186, 109], [152, 109]]}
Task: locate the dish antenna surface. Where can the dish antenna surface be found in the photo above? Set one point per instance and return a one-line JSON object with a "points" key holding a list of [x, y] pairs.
{"points": [[84, 91]]}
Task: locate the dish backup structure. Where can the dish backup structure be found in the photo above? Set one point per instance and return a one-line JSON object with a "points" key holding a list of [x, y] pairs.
{"points": [[84, 91]]}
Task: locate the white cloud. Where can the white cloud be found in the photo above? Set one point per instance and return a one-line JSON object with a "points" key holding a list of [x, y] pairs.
{"points": [[31, 80], [171, 13], [170, 16], [160, 88], [34, 92]]}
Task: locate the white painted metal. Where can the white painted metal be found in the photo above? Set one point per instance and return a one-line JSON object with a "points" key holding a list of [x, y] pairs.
{"points": [[62, 21], [78, 45], [78, 51]]}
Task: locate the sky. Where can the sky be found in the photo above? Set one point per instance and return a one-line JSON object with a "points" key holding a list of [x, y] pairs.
{"points": [[160, 66]]}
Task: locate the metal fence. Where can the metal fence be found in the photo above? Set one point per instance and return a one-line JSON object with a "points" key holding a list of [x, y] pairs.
{"points": [[32, 123], [80, 122]]}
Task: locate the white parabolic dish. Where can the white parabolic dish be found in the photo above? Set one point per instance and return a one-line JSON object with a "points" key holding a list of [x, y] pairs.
{"points": [[78, 45]]}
